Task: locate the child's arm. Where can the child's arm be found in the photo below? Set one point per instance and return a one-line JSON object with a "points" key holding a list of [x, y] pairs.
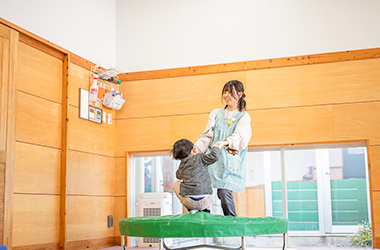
{"points": [[220, 144], [211, 157], [178, 174]]}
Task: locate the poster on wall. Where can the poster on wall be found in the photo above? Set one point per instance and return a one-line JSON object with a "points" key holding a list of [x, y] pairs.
{"points": [[95, 114], [83, 104]]}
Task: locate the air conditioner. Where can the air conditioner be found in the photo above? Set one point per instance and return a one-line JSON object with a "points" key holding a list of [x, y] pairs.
{"points": [[154, 204]]}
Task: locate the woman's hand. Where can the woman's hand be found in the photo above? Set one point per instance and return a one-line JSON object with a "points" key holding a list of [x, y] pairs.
{"points": [[218, 144], [231, 151]]}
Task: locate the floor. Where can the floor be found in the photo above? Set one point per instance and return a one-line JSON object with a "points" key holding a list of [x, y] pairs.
{"points": [[237, 243], [249, 248]]}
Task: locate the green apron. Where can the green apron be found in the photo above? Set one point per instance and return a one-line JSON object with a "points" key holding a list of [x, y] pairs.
{"points": [[229, 171]]}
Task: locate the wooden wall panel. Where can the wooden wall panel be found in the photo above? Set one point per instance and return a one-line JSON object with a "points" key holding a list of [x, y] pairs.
{"points": [[100, 243], [38, 120], [39, 74], [2, 193], [357, 121], [7, 127], [226, 77], [133, 134], [190, 127], [180, 95], [119, 185], [119, 213], [376, 242], [303, 104], [4, 58], [351, 81], [87, 217], [295, 87], [256, 201], [78, 78], [120, 193], [157, 133], [90, 171], [331, 102], [251, 202], [329, 83], [374, 153], [3, 156], [36, 219], [375, 215], [173, 96], [38, 143], [91, 163], [241, 203], [299, 60], [5, 31], [37, 169], [292, 125], [90, 174], [89, 136]]}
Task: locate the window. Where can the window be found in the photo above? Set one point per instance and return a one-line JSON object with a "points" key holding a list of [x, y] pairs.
{"points": [[325, 188]]}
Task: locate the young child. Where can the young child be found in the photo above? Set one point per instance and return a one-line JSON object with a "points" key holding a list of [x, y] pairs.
{"points": [[195, 190]]}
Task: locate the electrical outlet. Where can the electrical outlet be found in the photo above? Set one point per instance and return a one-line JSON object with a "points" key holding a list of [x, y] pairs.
{"points": [[251, 174], [109, 221], [104, 116], [109, 118]]}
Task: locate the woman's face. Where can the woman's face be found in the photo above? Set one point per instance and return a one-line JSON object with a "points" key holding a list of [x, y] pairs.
{"points": [[230, 99]]}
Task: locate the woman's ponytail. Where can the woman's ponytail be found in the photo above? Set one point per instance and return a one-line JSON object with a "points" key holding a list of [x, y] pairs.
{"points": [[242, 103]]}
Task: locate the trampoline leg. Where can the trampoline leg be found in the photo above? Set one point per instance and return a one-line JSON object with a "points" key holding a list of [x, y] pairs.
{"points": [[122, 242], [243, 243], [160, 244], [284, 240]]}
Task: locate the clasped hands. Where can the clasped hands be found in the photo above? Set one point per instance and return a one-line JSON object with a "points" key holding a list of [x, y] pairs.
{"points": [[220, 144]]}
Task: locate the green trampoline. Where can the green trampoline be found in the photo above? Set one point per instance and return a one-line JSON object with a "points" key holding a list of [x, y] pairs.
{"points": [[203, 225]]}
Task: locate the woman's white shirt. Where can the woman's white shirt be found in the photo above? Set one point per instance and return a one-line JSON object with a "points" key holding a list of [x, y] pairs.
{"points": [[238, 140]]}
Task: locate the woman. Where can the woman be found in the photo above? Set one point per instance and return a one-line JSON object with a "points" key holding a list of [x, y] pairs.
{"points": [[232, 125]]}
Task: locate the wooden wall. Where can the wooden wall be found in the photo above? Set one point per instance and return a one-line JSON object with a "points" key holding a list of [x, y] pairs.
{"points": [[69, 174], [2, 188], [38, 147], [8, 67], [64, 184], [336, 100], [96, 178], [251, 202], [4, 55], [90, 172]]}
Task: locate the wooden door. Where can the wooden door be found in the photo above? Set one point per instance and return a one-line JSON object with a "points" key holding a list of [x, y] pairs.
{"points": [[8, 50]]}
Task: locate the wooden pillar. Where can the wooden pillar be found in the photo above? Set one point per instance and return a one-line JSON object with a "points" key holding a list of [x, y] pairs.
{"points": [[128, 190], [8, 108], [64, 149]]}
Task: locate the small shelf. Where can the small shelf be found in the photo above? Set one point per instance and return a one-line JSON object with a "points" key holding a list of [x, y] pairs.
{"points": [[105, 84]]}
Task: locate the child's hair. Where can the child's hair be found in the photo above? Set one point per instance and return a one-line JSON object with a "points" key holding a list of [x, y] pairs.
{"points": [[181, 149]]}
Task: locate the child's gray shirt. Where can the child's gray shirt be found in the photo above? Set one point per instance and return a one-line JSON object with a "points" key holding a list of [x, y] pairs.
{"points": [[193, 171]]}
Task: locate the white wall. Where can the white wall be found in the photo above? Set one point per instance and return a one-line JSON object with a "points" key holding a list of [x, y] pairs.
{"points": [[84, 27], [138, 35], [163, 34]]}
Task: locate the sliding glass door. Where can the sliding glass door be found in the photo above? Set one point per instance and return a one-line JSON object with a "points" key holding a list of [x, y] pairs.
{"points": [[326, 186], [345, 189], [321, 189]]}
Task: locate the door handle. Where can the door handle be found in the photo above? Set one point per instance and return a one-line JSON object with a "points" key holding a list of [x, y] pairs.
{"points": [[328, 172]]}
